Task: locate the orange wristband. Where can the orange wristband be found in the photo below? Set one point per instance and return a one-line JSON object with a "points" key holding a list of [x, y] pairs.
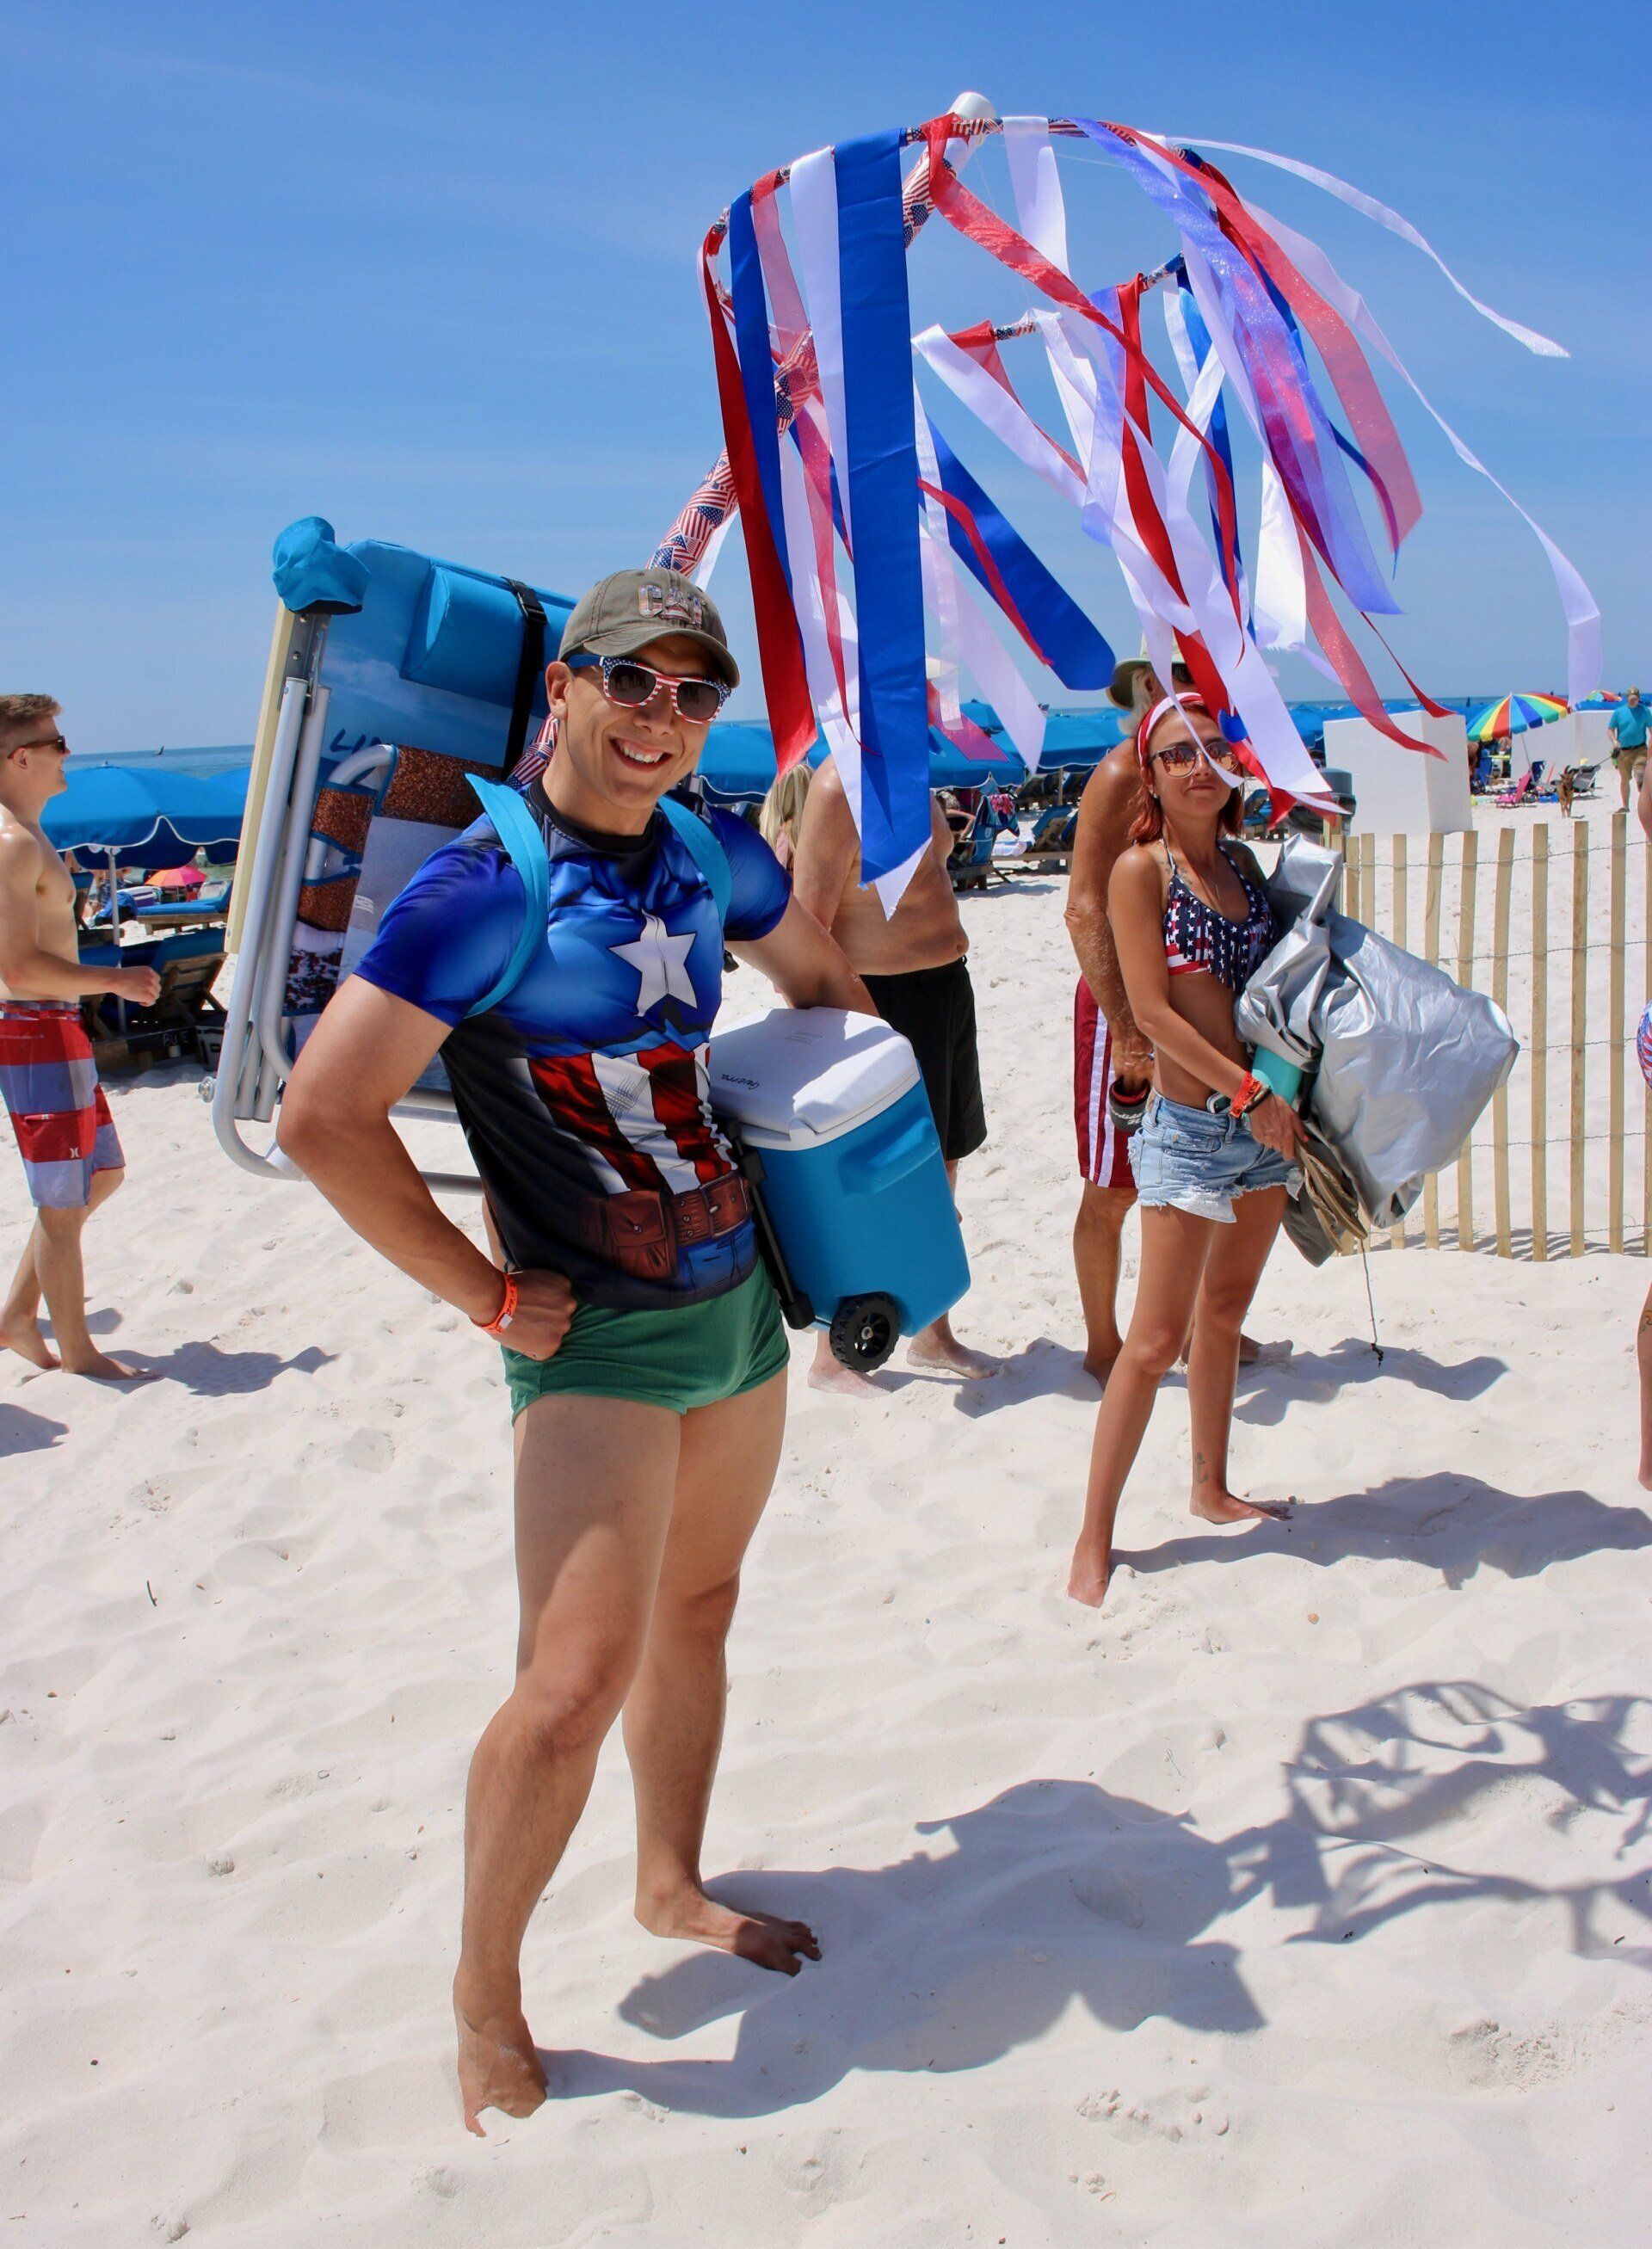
{"points": [[506, 1313]]}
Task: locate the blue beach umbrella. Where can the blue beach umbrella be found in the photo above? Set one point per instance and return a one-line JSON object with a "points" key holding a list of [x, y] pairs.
{"points": [[147, 817]]}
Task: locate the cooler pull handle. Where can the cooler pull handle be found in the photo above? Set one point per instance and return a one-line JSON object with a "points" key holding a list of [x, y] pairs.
{"points": [[874, 1163]]}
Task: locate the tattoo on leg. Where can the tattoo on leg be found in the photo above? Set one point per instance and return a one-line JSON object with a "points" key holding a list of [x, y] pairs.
{"points": [[1199, 1473]]}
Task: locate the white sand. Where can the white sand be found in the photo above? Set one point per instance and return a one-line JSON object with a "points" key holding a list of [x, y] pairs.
{"points": [[1301, 1897]]}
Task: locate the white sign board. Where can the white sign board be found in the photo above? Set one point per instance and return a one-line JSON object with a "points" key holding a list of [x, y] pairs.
{"points": [[1401, 792]]}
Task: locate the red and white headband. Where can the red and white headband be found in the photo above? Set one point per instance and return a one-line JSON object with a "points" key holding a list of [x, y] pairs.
{"points": [[1189, 702]]}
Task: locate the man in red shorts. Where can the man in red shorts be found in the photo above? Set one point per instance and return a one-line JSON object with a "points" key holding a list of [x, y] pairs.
{"points": [[1107, 1048], [48, 1078]]}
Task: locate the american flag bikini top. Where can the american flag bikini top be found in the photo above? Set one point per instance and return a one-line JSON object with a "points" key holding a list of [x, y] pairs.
{"points": [[1198, 937]]}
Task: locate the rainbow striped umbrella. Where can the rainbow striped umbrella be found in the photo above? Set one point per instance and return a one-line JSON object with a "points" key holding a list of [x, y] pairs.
{"points": [[1515, 714], [1602, 700]]}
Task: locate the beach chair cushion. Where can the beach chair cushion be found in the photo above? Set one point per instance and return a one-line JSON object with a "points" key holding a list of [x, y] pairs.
{"points": [[367, 842]]}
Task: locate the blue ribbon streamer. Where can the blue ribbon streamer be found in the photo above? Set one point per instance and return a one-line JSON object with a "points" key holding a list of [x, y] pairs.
{"points": [[882, 472], [1073, 648]]}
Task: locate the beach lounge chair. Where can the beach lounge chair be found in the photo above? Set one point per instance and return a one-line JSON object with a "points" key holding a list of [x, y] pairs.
{"points": [[971, 860], [1522, 793], [392, 678], [187, 964], [1049, 846]]}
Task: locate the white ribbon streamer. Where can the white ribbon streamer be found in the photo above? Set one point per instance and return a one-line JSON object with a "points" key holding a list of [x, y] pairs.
{"points": [[1544, 347], [984, 654], [814, 186], [1041, 212], [1584, 654]]}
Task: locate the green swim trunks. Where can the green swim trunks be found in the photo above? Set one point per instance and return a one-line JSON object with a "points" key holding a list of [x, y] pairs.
{"points": [[692, 1355]]}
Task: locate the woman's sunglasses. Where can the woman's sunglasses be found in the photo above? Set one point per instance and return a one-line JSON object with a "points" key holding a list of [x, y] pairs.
{"points": [[1180, 755], [631, 684]]}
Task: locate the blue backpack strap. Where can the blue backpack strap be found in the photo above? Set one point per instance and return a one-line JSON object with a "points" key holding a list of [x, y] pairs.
{"points": [[519, 832], [707, 853]]}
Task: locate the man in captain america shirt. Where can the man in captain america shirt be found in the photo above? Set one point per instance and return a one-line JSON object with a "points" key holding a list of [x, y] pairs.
{"points": [[642, 1342]]}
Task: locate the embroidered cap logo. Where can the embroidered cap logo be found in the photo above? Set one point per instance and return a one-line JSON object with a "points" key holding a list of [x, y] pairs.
{"points": [[670, 605]]}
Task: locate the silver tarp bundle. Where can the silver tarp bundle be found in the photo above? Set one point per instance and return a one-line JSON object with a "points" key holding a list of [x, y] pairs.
{"points": [[1402, 1059]]}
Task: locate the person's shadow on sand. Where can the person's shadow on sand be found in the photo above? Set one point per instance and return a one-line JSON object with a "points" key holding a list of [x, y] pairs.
{"points": [[22, 1432], [1058, 1889], [1453, 1523], [210, 1373], [1316, 1376]]}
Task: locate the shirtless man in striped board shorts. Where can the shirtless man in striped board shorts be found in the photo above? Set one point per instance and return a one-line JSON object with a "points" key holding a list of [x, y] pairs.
{"points": [[1107, 1044], [48, 1077]]}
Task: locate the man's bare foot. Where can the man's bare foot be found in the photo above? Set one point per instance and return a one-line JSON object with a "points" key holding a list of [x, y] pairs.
{"points": [[1087, 1579], [499, 2066], [1252, 1353], [829, 1373], [937, 1346], [1098, 1365], [687, 1913], [24, 1338], [97, 1366], [1211, 1505]]}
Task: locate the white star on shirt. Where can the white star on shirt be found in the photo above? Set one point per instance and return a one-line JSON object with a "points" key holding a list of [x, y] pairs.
{"points": [[661, 962]]}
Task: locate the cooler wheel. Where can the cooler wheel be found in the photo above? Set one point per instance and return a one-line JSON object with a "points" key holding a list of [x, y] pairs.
{"points": [[863, 1331]]}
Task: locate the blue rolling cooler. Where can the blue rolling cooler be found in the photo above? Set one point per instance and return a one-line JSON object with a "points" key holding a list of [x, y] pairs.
{"points": [[839, 1142]]}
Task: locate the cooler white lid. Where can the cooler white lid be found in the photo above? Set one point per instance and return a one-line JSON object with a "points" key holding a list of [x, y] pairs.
{"points": [[807, 1074]]}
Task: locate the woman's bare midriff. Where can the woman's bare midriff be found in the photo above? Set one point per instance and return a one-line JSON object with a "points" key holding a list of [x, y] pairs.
{"points": [[1199, 999], [1204, 1001]]}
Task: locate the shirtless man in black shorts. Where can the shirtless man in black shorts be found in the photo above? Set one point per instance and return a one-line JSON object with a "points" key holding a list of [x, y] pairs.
{"points": [[912, 963]]}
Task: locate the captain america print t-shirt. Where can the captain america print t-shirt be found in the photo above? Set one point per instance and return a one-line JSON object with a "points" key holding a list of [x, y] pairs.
{"points": [[583, 1094]]}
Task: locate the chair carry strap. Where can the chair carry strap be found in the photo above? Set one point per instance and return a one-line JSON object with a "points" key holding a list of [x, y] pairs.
{"points": [[519, 832], [529, 664], [706, 852]]}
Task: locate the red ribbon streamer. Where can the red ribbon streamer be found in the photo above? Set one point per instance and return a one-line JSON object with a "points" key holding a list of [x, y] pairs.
{"points": [[780, 647]]}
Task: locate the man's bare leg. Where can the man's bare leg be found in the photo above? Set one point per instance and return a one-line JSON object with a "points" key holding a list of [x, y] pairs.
{"points": [[936, 1345], [674, 1712], [828, 1373], [594, 1484], [1234, 1267], [20, 1315], [1097, 1234], [62, 1278]]}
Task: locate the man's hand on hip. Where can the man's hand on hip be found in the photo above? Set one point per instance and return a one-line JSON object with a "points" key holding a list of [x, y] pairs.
{"points": [[544, 1307]]}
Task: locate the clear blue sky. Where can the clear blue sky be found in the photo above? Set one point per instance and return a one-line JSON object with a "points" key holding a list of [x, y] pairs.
{"points": [[429, 270]]}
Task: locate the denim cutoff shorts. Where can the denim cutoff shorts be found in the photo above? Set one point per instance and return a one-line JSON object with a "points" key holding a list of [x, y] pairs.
{"points": [[1190, 1159]]}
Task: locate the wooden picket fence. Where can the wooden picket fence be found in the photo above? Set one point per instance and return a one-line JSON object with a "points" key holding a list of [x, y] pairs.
{"points": [[1562, 894]]}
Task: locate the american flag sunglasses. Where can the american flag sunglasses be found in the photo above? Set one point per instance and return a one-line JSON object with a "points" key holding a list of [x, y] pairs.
{"points": [[631, 684]]}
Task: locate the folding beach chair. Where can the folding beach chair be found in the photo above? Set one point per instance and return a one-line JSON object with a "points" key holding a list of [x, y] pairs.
{"points": [[970, 862], [392, 678]]}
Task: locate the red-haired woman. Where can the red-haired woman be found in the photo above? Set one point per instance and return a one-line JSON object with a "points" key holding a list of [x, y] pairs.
{"points": [[1191, 923]]}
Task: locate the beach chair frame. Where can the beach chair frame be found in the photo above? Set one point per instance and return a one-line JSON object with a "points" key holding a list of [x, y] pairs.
{"points": [[350, 686]]}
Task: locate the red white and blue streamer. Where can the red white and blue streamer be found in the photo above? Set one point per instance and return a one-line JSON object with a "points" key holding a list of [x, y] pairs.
{"points": [[847, 487]]}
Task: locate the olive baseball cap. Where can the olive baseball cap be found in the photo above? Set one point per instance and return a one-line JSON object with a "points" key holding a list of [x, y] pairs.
{"points": [[623, 612]]}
